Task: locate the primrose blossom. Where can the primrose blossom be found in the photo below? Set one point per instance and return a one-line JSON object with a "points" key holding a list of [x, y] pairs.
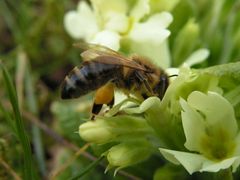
{"points": [[122, 25]]}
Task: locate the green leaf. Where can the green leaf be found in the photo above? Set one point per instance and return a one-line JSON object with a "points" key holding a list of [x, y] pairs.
{"points": [[8, 118], [231, 70], [28, 167]]}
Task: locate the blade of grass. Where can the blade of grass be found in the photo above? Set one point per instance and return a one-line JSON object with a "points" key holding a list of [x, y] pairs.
{"points": [[20, 74], [88, 168], [8, 118], [36, 133], [28, 168]]}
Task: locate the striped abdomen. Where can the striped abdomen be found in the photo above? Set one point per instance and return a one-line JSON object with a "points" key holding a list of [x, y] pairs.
{"points": [[90, 76]]}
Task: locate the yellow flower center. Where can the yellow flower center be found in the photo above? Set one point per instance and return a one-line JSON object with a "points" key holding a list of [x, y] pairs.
{"points": [[217, 144]]}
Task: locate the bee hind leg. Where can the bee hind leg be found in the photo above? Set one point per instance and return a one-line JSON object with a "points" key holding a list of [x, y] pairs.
{"points": [[95, 110], [104, 95], [111, 103]]}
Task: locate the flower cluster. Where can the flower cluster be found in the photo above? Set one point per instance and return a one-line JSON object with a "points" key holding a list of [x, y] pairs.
{"points": [[125, 25], [196, 123]]}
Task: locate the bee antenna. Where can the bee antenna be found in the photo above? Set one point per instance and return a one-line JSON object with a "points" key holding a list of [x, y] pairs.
{"points": [[173, 75]]}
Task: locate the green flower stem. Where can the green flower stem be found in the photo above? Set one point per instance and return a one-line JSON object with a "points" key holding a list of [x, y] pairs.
{"points": [[88, 168]]}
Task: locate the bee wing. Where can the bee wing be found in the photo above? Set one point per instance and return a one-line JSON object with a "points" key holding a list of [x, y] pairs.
{"points": [[99, 49], [106, 55]]}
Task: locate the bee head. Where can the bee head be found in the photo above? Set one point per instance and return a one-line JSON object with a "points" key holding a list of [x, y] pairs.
{"points": [[162, 85]]}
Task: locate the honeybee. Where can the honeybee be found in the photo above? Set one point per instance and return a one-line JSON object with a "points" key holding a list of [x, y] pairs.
{"points": [[104, 70]]}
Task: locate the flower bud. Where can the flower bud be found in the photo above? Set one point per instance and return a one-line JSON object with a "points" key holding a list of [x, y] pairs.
{"points": [[128, 153], [185, 42], [119, 128], [95, 131]]}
